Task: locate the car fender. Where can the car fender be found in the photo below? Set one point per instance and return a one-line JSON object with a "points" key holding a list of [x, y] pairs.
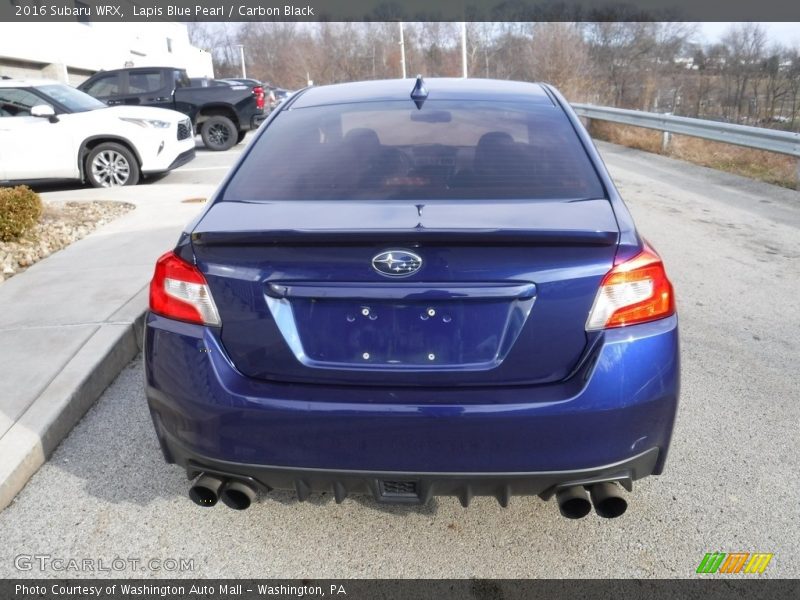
{"points": [[103, 137]]}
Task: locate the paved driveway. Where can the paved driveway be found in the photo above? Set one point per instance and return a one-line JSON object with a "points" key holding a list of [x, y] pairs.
{"points": [[731, 248]]}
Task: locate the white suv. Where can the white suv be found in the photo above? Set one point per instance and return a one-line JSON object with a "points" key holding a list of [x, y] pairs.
{"points": [[50, 131]]}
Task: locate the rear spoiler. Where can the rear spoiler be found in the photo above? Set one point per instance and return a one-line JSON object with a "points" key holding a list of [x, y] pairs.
{"points": [[354, 237], [562, 223]]}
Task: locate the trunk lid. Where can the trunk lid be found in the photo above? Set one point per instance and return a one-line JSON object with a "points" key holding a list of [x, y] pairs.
{"points": [[501, 296]]}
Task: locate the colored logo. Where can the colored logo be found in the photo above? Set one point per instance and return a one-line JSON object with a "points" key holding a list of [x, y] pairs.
{"points": [[734, 562]]}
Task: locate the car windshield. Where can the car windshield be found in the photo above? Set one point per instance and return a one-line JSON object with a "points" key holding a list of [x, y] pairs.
{"points": [[392, 150], [74, 100]]}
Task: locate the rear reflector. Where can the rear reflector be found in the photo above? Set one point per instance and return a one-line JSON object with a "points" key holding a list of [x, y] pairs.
{"points": [[179, 291], [635, 291]]}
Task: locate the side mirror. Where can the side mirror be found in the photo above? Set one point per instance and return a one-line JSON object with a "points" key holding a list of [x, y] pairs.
{"points": [[44, 111]]}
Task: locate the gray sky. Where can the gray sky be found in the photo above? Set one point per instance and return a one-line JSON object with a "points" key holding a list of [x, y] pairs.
{"points": [[785, 33]]}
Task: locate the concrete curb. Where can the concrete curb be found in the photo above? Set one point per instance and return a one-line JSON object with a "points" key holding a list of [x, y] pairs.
{"points": [[70, 323], [50, 418]]}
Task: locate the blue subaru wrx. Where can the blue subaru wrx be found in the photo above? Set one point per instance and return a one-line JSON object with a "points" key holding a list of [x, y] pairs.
{"points": [[414, 288]]}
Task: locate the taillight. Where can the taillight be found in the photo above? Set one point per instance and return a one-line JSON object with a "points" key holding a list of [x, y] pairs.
{"points": [[258, 92], [635, 291], [179, 291]]}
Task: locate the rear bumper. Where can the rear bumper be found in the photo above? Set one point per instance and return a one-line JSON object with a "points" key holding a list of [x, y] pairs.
{"points": [[399, 487], [620, 405], [257, 120]]}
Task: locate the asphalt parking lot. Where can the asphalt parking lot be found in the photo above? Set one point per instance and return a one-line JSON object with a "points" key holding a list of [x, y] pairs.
{"points": [[731, 249]]}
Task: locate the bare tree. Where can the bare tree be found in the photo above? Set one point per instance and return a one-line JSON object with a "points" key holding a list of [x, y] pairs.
{"points": [[648, 66], [481, 49], [744, 43], [559, 55]]}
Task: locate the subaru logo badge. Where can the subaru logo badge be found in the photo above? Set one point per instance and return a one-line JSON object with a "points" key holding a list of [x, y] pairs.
{"points": [[397, 263]]}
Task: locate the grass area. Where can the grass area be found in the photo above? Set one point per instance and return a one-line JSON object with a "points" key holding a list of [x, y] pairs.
{"points": [[777, 169]]}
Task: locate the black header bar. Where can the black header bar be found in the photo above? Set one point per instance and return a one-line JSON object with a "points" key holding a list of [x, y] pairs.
{"points": [[730, 587], [391, 10]]}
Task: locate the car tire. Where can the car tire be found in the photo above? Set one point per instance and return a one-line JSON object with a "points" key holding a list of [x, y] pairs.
{"points": [[240, 137], [219, 133], [111, 165]]}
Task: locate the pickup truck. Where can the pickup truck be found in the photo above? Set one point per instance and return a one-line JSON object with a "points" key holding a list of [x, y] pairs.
{"points": [[221, 114]]}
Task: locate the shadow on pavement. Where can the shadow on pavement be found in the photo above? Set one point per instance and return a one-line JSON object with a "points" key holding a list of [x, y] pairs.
{"points": [[114, 448], [114, 451]]}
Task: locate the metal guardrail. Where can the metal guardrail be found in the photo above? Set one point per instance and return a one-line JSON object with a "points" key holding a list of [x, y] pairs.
{"points": [[782, 142]]}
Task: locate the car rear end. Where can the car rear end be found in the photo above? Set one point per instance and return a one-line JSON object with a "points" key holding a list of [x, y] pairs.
{"points": [[260, 93], [261, 106], [408, 299]]}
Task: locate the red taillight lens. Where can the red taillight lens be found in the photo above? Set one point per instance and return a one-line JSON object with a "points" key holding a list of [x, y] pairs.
{"points": [[635, 291], [258, 92], [178, 290]]}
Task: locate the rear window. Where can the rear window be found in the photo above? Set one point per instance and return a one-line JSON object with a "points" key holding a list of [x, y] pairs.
{"points": [[142, 82], [392, 151], [103, 86]]}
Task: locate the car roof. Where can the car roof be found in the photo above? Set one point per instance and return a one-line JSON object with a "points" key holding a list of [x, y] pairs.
{"points": [[439, 88], [142, 68], [28, 82]]}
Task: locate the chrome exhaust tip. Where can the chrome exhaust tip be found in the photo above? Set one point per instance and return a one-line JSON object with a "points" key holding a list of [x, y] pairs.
{"points": [[573, 502], [607, 500], [205, 491], [237, 495]]}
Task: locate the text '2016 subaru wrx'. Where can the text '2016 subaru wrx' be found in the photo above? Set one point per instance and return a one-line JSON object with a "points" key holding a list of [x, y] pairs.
{"points": [[51, 132], [409, 289]]}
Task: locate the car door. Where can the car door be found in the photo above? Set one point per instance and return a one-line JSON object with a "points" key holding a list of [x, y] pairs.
{"points": [[106, 87], [34, 147], [147, 86]]}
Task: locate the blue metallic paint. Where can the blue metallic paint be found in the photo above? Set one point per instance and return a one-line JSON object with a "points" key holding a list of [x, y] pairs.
{"points": [[620, 404], [585, 399], [550, 344]]}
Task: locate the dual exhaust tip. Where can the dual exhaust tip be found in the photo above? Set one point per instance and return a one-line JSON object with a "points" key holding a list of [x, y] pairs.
{"points": [[576, 502], [209, 489]]}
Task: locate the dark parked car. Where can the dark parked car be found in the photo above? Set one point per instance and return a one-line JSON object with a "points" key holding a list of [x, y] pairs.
{"points": [[222, 114], [409, 293], [272, 95], [264, 90], [241, 81], [280, 95]]}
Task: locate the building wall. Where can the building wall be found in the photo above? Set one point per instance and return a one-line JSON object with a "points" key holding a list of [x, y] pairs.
{"points": [[71, 52]]}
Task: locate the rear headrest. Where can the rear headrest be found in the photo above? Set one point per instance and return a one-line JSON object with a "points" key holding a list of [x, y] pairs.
{"points": [[363, 139], [493, 148]]}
